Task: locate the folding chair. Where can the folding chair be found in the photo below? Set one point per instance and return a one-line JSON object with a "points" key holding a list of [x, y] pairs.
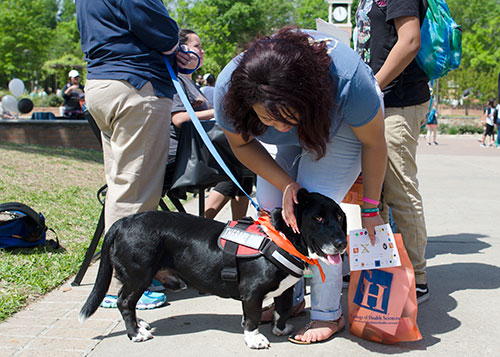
{"points": [[101, 195]]}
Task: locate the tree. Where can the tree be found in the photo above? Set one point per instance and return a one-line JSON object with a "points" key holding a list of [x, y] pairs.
{"points": [[226, 26], [307, 11], [64, 54], [25, 31], [480, 65], [67, 10]]}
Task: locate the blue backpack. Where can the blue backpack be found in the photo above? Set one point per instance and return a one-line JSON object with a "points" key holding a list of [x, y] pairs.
{"points": [[22, 227], [441, 41]]}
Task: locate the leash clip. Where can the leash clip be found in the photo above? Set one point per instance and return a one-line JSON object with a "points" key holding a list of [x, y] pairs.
{"points": [[262, 212]]}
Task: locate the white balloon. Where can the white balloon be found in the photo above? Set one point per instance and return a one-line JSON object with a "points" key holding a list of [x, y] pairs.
{"points": [[16, 87], [9, 103]]}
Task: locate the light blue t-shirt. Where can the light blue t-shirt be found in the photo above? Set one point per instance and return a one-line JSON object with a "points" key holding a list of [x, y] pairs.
{"points": [[357, 98]]}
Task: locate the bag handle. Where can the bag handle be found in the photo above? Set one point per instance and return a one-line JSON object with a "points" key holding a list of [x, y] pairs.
{"points": [[37, 217], [28, 211]]}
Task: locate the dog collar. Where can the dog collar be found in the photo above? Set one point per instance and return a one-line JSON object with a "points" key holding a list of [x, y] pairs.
{"points": [[282, 241]]}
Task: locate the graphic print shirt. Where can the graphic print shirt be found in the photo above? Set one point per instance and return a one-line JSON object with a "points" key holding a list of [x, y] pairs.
{"points": [[374, 37]]}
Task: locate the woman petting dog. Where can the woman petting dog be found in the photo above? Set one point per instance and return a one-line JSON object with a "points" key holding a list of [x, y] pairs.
{"points": [[301, 109]]}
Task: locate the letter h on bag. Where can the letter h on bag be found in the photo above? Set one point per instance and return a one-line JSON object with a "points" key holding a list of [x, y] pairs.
{"points": [[373, 291]]}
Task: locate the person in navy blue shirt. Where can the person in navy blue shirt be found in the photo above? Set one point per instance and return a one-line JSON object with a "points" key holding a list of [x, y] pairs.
{"points": [[129, 94]]}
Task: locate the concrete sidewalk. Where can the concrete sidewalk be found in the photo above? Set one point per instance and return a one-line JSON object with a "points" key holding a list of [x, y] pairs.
{"points": [[458, 181]]}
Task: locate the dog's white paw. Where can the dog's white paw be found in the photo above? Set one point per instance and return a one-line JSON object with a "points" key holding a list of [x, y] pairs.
{"points": [[256, 340], [277, 332], [143, 324], [142, 335]]}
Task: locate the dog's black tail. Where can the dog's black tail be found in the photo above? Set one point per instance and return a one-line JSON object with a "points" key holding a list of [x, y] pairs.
{"points": [[103, 279]]}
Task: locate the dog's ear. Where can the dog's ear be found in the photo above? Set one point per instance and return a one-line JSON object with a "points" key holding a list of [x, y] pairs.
{"points": [[277, 219], [279, 223], [302, 196], [344, 222]]}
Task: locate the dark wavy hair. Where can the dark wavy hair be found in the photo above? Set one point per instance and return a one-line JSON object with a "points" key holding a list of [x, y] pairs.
{"points": [[184, 35], [288, 74]]}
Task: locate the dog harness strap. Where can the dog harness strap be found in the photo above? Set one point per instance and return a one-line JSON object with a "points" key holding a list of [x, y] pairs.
{"points": [[280, 239], [284, 260], [239, 236], [244, 222], [230, 270]]}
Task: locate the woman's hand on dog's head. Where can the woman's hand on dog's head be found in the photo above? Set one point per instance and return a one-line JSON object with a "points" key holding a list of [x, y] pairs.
{"points": [[289, 200]]}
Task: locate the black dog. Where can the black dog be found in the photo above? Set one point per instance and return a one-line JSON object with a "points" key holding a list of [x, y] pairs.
{"points": [[185, 246]]}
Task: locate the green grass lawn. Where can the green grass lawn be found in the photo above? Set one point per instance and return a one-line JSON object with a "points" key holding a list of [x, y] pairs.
{"points": [[61, 183]]}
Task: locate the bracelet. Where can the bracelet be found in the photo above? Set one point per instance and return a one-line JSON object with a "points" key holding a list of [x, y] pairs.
{"points": [[369, 210], [371, 214], [369, 200]]}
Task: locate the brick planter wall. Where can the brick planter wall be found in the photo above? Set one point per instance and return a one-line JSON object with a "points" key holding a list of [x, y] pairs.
{"points": [[65, 133]]}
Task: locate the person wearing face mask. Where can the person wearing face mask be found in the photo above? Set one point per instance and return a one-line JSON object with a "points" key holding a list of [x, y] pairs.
{"points": [[224, 191]]}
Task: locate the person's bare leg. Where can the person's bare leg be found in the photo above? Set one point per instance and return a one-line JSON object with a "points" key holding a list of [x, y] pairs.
{"points": [[239, 207], [215, 202]]}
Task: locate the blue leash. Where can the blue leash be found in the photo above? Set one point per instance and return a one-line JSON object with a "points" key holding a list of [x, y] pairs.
{"points": [[197, 123]]}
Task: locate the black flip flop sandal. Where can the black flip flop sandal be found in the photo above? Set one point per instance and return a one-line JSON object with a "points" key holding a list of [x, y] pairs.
{"points": [[336, 323]]}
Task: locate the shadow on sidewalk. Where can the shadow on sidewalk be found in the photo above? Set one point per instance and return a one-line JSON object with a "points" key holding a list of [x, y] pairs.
{"points": [[461, 244]]}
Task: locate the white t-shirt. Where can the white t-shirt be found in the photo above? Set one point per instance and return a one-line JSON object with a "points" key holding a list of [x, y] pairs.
{"points": [[489, 116]]}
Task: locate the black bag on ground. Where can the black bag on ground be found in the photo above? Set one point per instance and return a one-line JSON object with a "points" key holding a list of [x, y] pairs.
{"points": [[21, 226]]}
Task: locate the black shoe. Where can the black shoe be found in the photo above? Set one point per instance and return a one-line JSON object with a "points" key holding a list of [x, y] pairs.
{"points": [[346, 279], [422, 293]]}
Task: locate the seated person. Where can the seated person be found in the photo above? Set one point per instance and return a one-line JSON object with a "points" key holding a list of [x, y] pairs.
{"points": [[72, 93], [5, 114], [223, 191], [208, 90]]}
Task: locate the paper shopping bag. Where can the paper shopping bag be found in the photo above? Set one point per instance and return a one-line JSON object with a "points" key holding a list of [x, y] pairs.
{"points": [[355, 194], [383, 304]]}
